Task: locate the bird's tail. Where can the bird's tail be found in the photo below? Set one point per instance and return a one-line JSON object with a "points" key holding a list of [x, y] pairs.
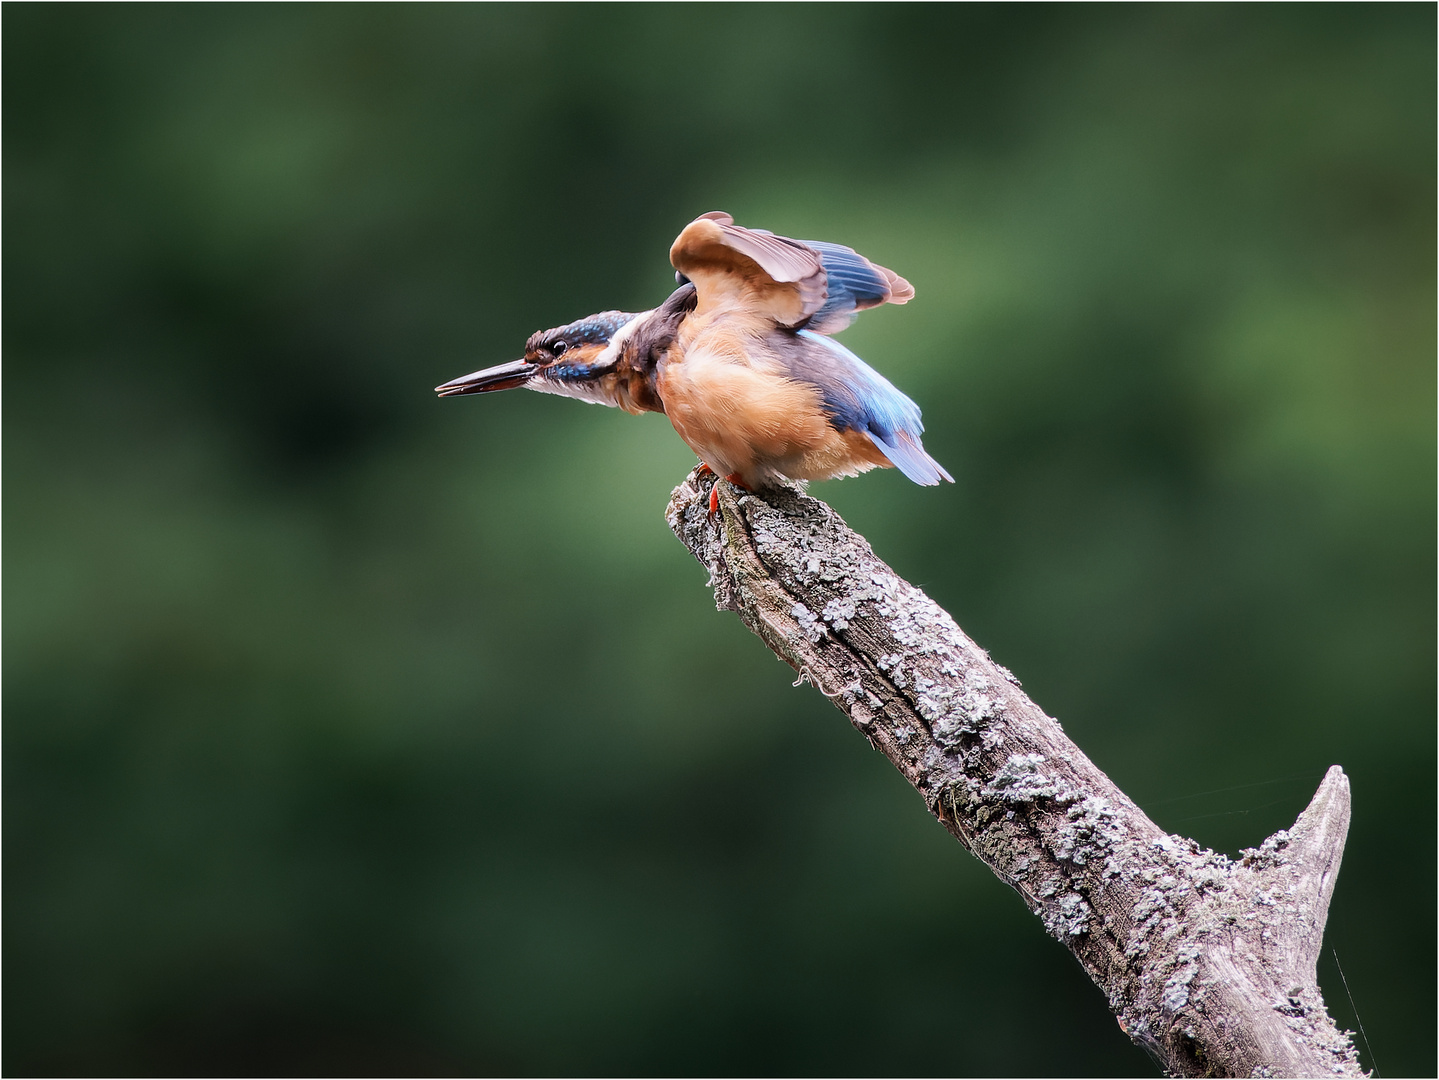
{"points": [[908, 455]]}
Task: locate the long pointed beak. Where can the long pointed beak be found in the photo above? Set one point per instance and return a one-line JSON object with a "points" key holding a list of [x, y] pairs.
{"points": [[503, 377]]}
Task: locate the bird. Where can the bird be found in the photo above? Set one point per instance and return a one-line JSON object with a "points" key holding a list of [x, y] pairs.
{"points": [[742, 360]]}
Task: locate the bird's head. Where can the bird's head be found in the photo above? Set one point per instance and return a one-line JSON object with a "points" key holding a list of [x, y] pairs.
{"points": [[571, 360]]}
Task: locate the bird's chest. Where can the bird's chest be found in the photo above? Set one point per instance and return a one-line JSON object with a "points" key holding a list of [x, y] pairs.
{"points": [[730, 399]]}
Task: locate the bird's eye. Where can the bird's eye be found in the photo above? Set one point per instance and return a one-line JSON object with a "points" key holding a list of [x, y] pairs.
{"points": [[558, 348]]}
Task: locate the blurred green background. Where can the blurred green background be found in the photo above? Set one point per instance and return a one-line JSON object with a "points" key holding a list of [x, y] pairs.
{"points": [[352, 731]]}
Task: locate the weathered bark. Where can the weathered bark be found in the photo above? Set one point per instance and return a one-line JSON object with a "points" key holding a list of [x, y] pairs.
{"points": [[1208, 963]]}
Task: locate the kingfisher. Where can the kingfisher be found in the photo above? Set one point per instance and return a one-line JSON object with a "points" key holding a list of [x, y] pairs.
{"points": [[742, 360]]}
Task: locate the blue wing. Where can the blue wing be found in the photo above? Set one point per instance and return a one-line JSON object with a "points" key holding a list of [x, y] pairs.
{"points": [[854, 284], [861, 399]]}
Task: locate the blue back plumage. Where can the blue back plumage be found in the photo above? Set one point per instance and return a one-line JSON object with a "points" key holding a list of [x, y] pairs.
{"points": [[854, 284], [859, 398]]}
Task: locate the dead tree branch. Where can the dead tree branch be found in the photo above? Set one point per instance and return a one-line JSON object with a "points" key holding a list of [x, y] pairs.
{"points": [[1208, 963]]}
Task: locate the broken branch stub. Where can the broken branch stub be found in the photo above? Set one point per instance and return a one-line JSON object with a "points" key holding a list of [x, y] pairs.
{"points": [[1208, 963]]}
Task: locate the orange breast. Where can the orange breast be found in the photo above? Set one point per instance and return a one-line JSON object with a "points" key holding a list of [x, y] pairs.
{"points": [[731, 402]]}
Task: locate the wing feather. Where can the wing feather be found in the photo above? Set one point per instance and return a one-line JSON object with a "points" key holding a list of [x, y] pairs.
{"points": [[858, 398], [783, 259], [854, 285], [798, 283], [750, 268]]}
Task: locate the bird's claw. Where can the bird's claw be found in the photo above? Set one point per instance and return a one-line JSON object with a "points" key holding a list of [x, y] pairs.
{"points": [[732, 478]]}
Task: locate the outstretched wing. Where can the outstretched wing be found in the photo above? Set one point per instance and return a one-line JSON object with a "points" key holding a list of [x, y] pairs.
{"points": [[796, 283]]}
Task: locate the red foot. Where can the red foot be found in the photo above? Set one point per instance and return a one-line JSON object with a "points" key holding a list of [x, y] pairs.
{"points": [[714, 495], [733, 478]]}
